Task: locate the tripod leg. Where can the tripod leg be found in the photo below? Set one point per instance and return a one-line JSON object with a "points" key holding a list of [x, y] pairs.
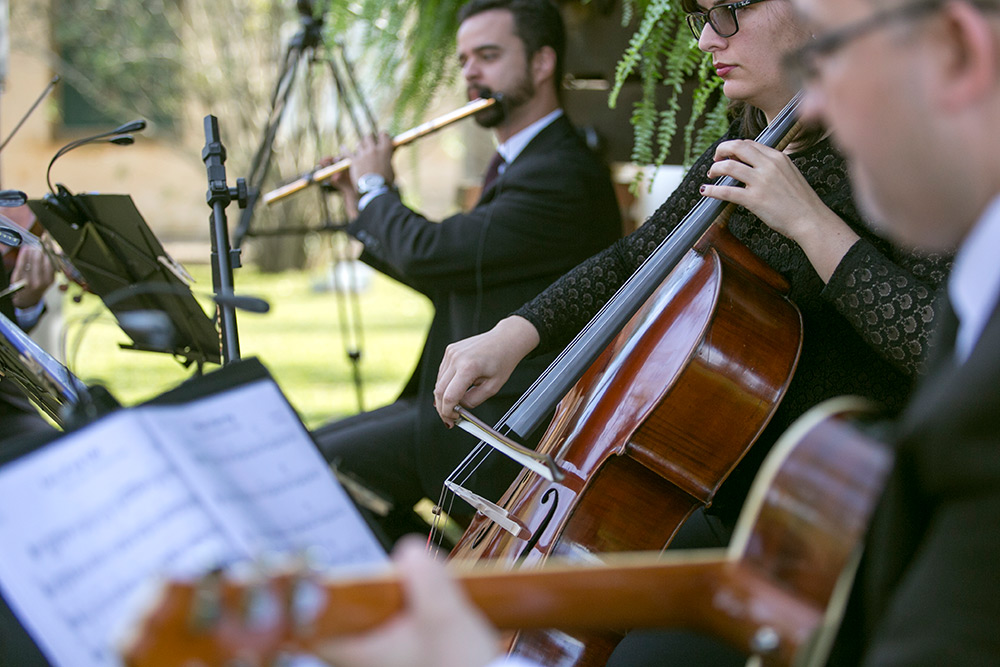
{"points": [[347, 287], [262, 158]]}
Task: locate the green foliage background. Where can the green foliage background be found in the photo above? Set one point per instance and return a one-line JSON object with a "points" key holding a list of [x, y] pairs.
{"points": [[415, 44], [662, 52], [111, 52]]}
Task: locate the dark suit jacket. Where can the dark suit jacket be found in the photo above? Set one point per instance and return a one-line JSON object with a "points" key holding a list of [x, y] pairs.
{"points": [[929, 590], [553, 207]]}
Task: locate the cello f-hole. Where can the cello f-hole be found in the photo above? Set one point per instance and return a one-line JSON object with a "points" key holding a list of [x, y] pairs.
{"points": [[537, 534], [481, 535]]}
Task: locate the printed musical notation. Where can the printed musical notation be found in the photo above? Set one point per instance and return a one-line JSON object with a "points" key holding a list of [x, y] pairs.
{"points": [[102, 512]]}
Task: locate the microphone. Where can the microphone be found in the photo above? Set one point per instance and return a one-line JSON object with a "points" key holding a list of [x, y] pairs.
{"points": [[120, 136], [12, 198], [154, 328]]}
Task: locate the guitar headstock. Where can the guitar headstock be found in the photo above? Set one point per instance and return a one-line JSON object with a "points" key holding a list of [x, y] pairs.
{"points": [[216, 620], [248, 621]]}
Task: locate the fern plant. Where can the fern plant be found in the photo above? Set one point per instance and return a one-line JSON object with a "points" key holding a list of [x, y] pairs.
{"points": [[662, 54], [412, 47]]}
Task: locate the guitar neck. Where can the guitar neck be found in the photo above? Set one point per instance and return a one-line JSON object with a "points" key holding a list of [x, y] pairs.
{"points": [[702, 591]]}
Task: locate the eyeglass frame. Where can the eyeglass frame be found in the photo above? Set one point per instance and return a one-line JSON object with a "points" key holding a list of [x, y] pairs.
{"points": [[706, 18], [802, 62]]}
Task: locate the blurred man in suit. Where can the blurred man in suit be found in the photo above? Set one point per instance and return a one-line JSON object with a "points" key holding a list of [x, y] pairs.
{"points": [[911, 91]]}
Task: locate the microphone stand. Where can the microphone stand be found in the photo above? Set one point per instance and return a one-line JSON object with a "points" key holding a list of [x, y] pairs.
{"points": [[224, 258]]}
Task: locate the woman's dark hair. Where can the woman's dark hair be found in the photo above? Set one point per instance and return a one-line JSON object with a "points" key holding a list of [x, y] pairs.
{"points": [[537, 23], [751, 119]]}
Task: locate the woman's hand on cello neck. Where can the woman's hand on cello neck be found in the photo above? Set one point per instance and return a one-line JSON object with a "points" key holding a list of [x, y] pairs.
{"points": [[777, 193], [476, 368]]}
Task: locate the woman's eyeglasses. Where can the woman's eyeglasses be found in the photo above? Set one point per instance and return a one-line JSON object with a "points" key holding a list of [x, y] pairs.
{"points": [[722, 18]]}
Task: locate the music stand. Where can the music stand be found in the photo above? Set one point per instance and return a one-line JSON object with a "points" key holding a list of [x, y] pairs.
{"points": [[123, 262], [49, 384]]}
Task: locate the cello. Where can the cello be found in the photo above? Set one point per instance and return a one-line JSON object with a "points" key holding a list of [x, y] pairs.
{"points": [[659, 398]]}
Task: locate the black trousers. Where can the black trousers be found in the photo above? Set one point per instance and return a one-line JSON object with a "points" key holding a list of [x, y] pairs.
{"points": [[377, 448], [17, 416]]}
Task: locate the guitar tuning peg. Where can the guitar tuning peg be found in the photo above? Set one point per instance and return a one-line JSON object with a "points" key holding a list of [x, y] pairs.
{"points": [[206, 607], [262, 609], [307, 601]]}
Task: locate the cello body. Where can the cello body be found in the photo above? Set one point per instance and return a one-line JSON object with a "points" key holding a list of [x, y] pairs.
{"points": [[652, 429]]}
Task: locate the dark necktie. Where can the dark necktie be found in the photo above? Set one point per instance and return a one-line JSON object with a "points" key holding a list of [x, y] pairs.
{"points": [[493, 171], [945, 333]]}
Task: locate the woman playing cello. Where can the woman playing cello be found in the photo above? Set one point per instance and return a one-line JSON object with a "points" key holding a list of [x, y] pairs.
{"points": [[866, 307]]}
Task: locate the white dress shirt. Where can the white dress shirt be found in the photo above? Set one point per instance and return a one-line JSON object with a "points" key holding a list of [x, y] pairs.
{"points": [[509, 150], [974, 284]]}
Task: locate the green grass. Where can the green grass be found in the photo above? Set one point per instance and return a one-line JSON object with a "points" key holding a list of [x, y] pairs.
{"points": [[299, 340]]}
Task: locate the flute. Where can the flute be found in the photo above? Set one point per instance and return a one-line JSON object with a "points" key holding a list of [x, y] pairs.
{"points": [[322, 173]]}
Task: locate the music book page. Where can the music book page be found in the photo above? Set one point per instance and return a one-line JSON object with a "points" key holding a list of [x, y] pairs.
{"points": [[90, 521]]}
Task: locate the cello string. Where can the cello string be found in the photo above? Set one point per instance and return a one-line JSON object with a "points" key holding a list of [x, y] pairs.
{"points": [[468, 466]]}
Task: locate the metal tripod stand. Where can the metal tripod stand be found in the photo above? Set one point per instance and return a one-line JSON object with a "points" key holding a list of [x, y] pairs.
{"points": [[306, 58]]}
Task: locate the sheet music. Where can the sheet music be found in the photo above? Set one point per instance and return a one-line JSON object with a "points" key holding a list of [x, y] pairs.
{"points": [[256, 466], [88, 522]]}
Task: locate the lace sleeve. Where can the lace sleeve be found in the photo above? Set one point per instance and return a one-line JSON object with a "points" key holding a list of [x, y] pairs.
{"points": [[888, 297]]}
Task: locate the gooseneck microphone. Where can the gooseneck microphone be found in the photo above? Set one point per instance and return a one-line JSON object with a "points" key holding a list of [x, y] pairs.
{"points": [[12, 198], [120, 136]]}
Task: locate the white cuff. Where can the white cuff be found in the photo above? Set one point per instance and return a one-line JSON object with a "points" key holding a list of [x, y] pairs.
{"points": [[368, 196]]}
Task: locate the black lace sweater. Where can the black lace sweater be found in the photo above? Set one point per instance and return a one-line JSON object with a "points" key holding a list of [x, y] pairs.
{"points": [[865, 332]]}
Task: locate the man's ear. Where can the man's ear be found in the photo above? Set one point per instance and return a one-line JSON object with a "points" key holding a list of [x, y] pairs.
{"points": [[543, 64], [971, 67]]}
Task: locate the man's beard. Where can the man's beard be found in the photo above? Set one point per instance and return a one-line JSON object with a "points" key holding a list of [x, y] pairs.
{"points": [[518, 96]]}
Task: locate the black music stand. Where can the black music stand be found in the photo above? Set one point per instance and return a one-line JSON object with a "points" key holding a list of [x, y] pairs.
{"points": [[49, 384], [123, 262]]}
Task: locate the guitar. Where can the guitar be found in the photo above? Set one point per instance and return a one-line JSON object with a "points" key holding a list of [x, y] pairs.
{"points": [[776, 592]]}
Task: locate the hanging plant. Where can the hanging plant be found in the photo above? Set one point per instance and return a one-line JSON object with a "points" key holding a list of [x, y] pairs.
{"points": [[663, 55], [410, 48]]}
